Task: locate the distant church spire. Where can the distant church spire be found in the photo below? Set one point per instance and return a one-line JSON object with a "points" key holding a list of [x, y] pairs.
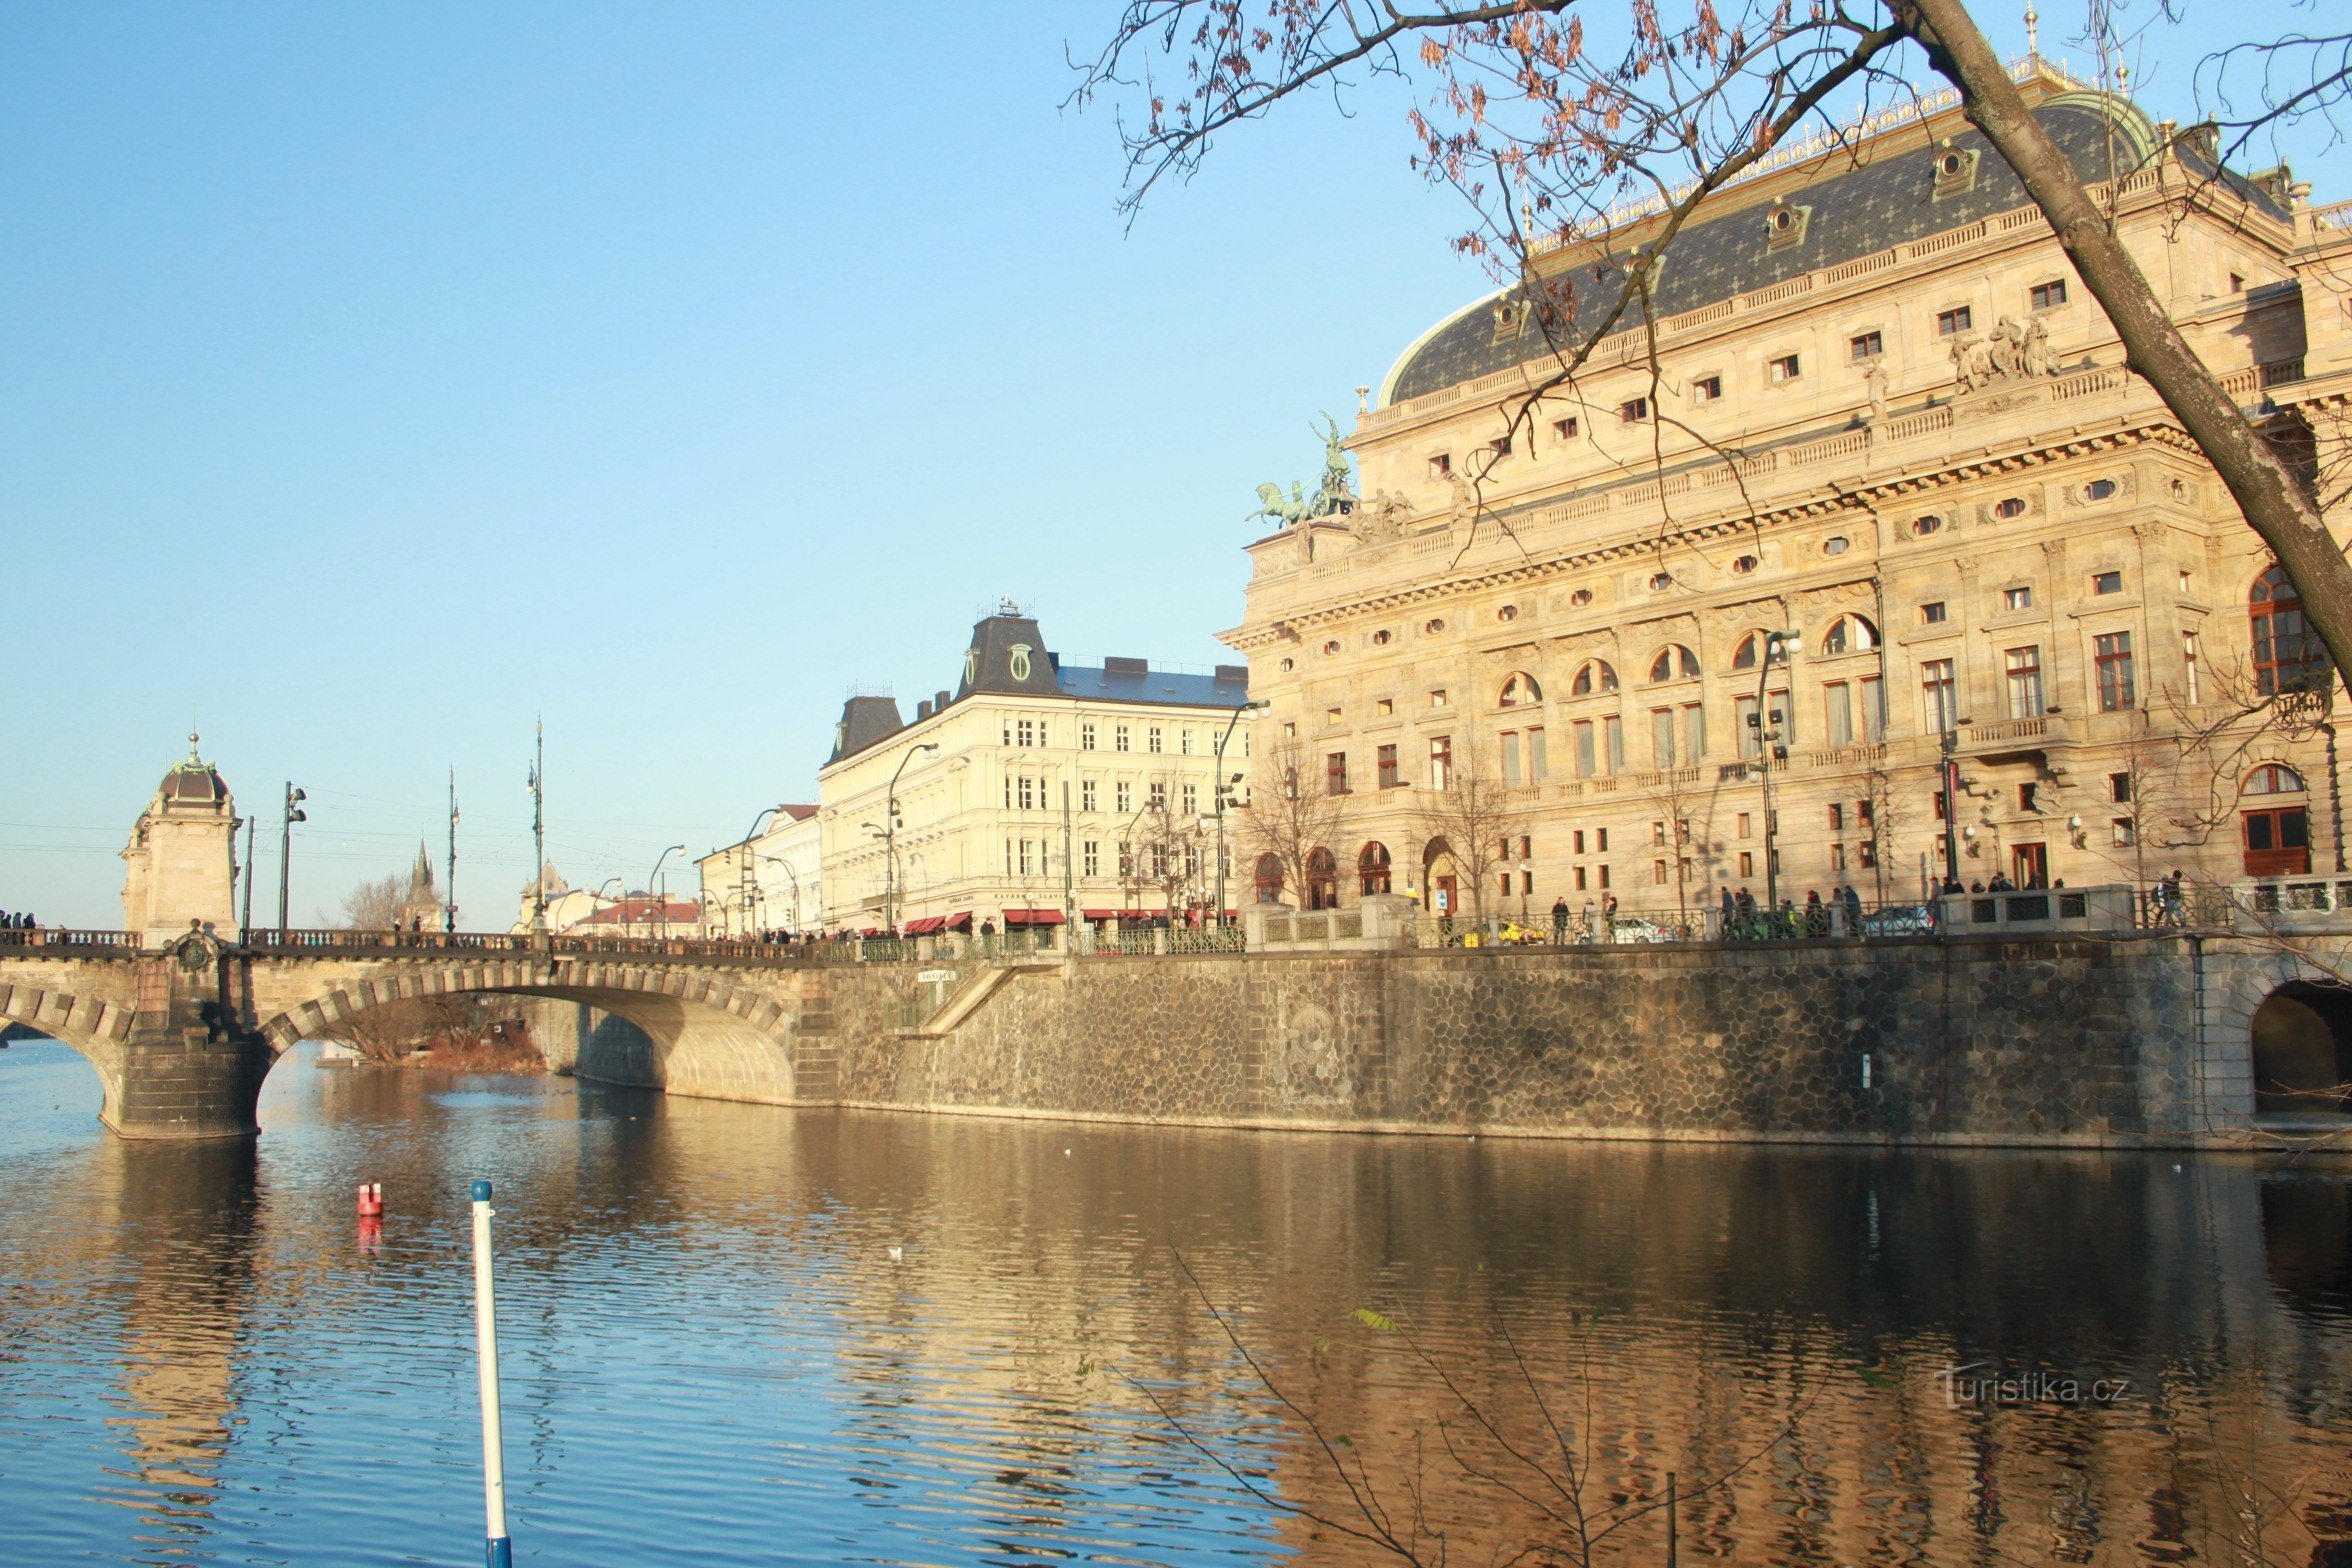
{"points": [[420, 879]]}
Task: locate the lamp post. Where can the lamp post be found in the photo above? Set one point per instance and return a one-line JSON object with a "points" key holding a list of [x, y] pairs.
{"points": [[890, 836], [743, 873], [652, 882], [793, 878], [1766, 723], [539, 829], [1224, 791], [1526, 880], [293, 814]]}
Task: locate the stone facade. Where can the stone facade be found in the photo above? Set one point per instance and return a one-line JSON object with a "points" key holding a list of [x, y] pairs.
{"points": [[770, 881], [1909, 441], [180, 866]]}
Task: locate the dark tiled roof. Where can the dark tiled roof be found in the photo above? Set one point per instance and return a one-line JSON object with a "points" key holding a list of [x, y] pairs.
{"points": [[865, 721], [1856, 212], [1007, 658], [195, 783], [1104, 684]]}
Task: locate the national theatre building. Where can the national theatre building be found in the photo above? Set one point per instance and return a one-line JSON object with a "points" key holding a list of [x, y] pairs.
{"points": [[1887, 496]]}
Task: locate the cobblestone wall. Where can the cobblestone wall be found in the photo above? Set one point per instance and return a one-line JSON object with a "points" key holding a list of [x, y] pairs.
{"points": [[2043, 1041]]}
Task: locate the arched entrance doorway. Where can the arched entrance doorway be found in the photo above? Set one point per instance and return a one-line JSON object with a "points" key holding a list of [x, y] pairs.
{"points": [[2274, 822], [2303, 1052], [1268, 879], [1441, 888], [1322, 879], [1372, 868]]}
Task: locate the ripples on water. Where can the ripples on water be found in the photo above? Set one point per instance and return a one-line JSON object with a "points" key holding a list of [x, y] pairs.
{"points": [[711, 1357]]}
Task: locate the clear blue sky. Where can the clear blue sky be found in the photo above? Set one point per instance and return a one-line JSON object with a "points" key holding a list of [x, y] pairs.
{"points": [[374, 379]]}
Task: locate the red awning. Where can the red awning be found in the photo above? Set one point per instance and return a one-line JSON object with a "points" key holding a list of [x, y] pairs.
{"points": [[962, 922], [1033, 917], [925, 926]]}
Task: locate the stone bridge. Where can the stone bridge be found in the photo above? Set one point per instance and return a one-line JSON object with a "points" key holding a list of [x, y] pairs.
{"points": [[182, 1036]]}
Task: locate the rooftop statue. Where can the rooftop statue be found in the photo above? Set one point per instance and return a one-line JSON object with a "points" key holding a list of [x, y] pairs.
{"points": [[1337, 491], [1284, 510], [2009, 350]]}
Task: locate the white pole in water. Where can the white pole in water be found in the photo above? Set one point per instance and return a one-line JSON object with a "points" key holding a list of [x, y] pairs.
{"points": [[499, 1552]]}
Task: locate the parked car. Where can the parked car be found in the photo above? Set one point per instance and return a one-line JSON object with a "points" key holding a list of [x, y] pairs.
{"points": [[1900, 920], [1633, 928]]}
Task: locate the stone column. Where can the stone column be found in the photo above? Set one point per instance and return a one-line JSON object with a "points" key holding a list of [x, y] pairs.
{"points": [[189, 1069]]}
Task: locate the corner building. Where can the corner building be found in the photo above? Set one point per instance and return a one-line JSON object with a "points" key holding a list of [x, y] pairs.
{"points": [[1035, 791], [1888, 421]]}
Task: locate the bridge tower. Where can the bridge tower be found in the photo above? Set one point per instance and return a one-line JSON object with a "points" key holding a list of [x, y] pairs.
{"points": [[180, 864]]}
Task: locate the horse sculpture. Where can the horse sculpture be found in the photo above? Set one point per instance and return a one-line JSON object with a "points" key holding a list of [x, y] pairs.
{"points": [[1285, 510]]}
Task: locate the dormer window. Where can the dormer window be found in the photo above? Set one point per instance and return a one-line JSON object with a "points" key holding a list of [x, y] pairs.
{"points": [[1955, 173], [1784, 227], [1020, 661]]}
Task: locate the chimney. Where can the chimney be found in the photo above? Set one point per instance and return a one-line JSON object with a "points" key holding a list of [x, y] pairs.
{"points": [[939, 701], [922, 710]]}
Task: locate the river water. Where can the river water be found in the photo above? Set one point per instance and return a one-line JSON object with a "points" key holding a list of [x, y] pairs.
{"points": [[1464, 1347]]}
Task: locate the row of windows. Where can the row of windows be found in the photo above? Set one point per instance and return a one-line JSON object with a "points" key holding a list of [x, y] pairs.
{"points": [[1036, 857], [1861, 349], [1034, 733], [1025, 793]]}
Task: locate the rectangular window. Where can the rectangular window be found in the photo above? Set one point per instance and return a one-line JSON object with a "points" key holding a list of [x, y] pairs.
{"points": [[1125, 796], [2107, 582], [1388, 767], [1008, 857], [1437, 699], [1027, 733], [1500, 446], [1747, 863], [1747, 825], [1158, 797], [1869, 853], [1786, 368], [1578, 839], [1090, 852], [2190, 668], [2017, 598], [1564, 429], [1943, 806], [1932, 613], [2024, 667], [1837, 816], [2047, 296], [2125, 832], [1694, 732], [2114, 660], [1939, 700], [1538, 764], [1587, 759], [1873, 709], [1024, 857], [1634, 410], [2119, 788], [1184, 742], [1837, 716], [1612, 753], [1026, 802], [1126, 861], [1192, 800], [1330, 716], [1837, 857], [1662, 737], [1706, 389], [1441, 761], [1335, 773], [1441, 465], [1580, 879], [1152, 740], [1384, 707], [2029, 797], [1751, 734], [1086, 737], [1658, 833], [1865, 346], [1511, 777], [1086, 795], [1119, 738], [1604, 879], [1658, 872], [1950, 323], [1601, 845]]}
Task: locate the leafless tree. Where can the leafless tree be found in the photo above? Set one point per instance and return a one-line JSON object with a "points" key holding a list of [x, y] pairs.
{"points": [[375, 906], [1163, 842], [1293, 813], [1885, 811], [1684, 828], [1471, 813], [1543, 133]]}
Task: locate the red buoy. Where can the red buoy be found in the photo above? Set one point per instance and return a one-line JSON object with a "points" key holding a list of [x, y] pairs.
{"points": [[371, 1200]]}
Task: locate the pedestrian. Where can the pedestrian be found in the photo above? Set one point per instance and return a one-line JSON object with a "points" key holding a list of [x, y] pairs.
{"points": [[1853, 911], [1560, 921], [1816, 913]]}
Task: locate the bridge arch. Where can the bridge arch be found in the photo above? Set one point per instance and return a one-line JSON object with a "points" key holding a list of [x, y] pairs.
{"points": [[95, 1026], [2301, 1040], [689, 1031]]}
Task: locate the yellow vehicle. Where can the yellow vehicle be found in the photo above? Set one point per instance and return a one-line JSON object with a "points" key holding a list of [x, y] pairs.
{"points": [[1510, 933]]}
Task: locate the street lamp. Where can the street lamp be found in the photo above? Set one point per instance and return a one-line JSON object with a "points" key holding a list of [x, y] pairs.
{"points": [[1766, 724], [661, 901], [793, 877], [743, 877], [1526, 881], [1224, 792], [890, 836], [293, 814]]}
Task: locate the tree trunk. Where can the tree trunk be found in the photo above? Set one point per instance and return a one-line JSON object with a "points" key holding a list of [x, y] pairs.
{"points": [[2272, 499]]}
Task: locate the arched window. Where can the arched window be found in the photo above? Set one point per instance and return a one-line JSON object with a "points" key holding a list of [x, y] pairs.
{"points": [[1849, 634], [1372, 867], [1596, 677], [1322, 879], [1269, 879], [1674, 663], [1518, 691], [1751, 648], [2287, 657], [2274, 778]]}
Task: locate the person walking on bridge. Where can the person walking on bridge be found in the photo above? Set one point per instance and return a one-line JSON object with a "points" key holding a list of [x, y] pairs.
{"points": [[1560, 921]]}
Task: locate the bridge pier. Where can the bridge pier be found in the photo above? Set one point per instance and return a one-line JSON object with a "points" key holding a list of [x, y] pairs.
{"points": [[186, 1067]]}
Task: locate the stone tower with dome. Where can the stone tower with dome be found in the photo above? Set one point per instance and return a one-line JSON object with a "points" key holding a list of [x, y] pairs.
{"points": [[181, 863]]}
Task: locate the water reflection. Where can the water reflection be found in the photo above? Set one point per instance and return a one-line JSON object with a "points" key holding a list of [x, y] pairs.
{"points": [[711, 1348]]}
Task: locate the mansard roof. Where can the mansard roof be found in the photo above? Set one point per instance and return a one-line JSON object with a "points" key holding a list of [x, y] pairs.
{"points": [[1853, 210], [865, 721]]}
